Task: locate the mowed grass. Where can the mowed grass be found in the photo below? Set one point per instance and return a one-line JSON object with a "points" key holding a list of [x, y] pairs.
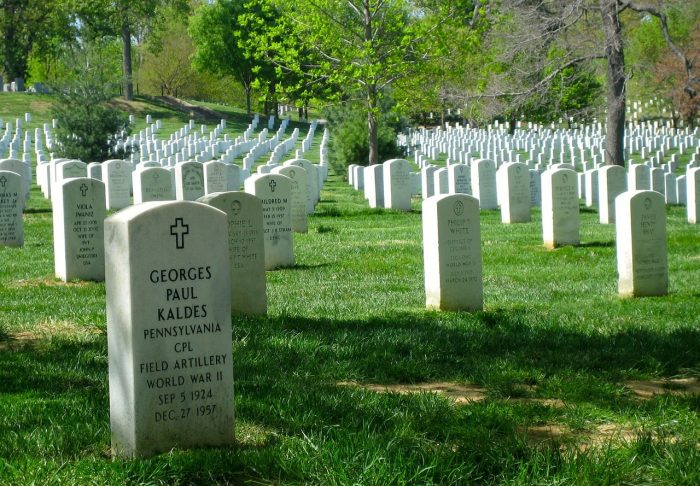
{"points": [[554, 350], [550, 367]]}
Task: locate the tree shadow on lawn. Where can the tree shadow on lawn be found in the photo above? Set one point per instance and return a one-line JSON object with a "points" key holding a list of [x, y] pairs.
{"points": [[484, 348], [287, 370]]}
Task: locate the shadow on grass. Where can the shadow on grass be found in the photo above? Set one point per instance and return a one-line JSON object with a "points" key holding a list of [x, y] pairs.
{"points": [[37, 210], [287, 370], [597, 244]]}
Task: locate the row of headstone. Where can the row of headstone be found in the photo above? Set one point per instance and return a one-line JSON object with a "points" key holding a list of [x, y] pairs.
{"points": [[584, 149], [15, 86], [452, 243], [515, 188]]}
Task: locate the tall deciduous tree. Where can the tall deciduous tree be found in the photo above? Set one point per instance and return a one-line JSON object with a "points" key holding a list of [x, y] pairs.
{"points": [[361, 45], [222, 31], [122, 18], [578, 29], [26, 24]]}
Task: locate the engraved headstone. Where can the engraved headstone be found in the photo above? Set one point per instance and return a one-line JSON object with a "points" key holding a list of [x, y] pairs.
{"points": [[299, 195], [642, 259], [483, 172], [215, 177], [22, 169], [427, 176], [78, 229], [452, 252], [70, 170], [560, 211], [692, 180], [116, 175], [592, 188], [514, 187], [275, 192], [312, 182], [459, 179], [638, 177], [612, 181], [246, 249], [440, 182], [11, 205], [397, 184], [233, 177], [374, 185], [535, 188], [94, 170], [152, 184], [189, 181], [168, 328]]}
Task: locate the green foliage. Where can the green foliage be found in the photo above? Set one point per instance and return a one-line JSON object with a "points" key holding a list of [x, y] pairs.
{"points": [[348, 143], [88, 127], [574, 93], [31, 27], [222, 33], [657, 71]]}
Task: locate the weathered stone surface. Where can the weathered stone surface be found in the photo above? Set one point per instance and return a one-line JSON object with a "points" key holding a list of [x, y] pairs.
{"points": [[79, 209], [452, 252], [642, 255], [168, 328], [246, 249]]}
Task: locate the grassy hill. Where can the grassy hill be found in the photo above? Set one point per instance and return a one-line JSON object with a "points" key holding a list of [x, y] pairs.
{"points": [[350, 380]]}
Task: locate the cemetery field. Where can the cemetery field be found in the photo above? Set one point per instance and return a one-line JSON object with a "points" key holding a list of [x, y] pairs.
{"points": [[350, 380]]}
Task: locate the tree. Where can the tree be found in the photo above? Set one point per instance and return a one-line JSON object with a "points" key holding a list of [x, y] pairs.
{"points": [[167, 64], [361, 45], [657, 70], [576, 28], [122, 18], [27, 24], [88, 128], [221, 32]]}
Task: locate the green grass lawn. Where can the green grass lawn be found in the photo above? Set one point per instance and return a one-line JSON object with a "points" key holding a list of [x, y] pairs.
{"points": [[553, 383], [550, 363]]}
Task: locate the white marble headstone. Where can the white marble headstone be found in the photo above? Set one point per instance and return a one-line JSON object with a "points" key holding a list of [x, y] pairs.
{"points": [[560, 211], [459, 179], [11, 205], [452, 252], [397, 184], [374, 185], [692, 180], [168, 328], [246, 249], [189, 181], [116, 175], [274, 190], [152, 184], [78, 229], [642, 255], [299, 195], [514, 188], [483, 175], [612, 181], [215, 177]]}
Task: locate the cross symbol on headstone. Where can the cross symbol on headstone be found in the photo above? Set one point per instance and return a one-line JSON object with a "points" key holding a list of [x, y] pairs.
{"points": [[273, 184], [3, 181], [179, 230], [84, 189]]}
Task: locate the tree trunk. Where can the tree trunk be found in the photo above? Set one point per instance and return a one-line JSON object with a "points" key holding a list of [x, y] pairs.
{"points": [[372, 128], [248, 89], [616, 84], [128, 81]]}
